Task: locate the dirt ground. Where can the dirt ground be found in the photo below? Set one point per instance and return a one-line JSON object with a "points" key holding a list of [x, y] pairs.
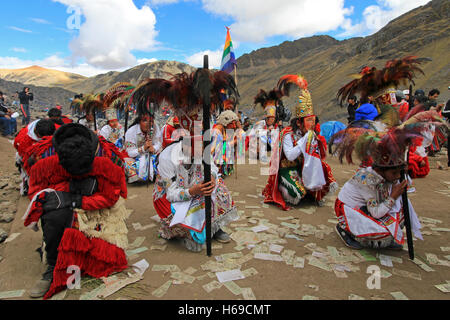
{"points": [[21, 266]]}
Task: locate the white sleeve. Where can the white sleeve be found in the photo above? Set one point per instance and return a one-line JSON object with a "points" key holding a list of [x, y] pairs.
{"points": [[289, 150], [105, 132], [130, 144], [167, 171], [157, 139]]}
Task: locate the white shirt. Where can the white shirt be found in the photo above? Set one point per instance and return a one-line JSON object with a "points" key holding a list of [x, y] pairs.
{"points": [[289, 150], [176, 177], [368, 188], [110, 134], [135, 140]]}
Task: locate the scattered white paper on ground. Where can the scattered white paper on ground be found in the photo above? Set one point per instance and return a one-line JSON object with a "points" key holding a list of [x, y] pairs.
{"points": [[267, 256], [11, 294], [399, 295], [12, 237], [276, 248], [141, 266], [386, 261], [230, 275], [260, 228]]}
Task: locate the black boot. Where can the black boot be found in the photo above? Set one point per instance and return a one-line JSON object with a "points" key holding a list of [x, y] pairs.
{"points": [[348, 238]]}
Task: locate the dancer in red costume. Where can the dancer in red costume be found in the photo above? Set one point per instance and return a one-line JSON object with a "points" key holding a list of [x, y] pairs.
{"points": [[78, 198], [297, 165]]}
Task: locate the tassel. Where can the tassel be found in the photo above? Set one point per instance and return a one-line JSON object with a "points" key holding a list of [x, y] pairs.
{"points": [[74, 240]]}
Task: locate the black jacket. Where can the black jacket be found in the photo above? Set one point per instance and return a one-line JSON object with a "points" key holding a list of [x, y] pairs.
{"points": [[3, 109], [24, 98], [351, 109]]}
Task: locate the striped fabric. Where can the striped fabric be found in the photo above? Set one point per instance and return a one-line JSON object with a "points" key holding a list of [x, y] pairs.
{"points": [[228, 59]]}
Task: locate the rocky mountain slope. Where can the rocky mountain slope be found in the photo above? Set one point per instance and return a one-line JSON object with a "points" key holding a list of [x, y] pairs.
{"points": [[326, 62], [39, 76], [323, 60]]}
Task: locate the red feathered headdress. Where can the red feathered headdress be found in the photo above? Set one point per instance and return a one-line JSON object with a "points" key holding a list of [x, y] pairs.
{"points": [[371, 81]]}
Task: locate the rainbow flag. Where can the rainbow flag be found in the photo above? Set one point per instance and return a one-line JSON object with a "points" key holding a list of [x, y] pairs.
{"points": [[228, 59]]}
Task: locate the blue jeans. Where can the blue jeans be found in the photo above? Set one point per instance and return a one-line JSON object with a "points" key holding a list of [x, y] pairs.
{"points": [[26, 116], [8, 126]]}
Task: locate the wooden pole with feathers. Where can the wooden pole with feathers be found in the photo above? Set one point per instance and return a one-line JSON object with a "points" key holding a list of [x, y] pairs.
{"points": [[405, 200], [206, 164]]}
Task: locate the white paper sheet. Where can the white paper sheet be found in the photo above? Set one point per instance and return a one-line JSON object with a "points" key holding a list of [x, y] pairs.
{"points": [[230, 275], [181, 210]]}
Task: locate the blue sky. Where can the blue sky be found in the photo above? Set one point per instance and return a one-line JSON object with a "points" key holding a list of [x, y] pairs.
{"points": [[119, 34]]}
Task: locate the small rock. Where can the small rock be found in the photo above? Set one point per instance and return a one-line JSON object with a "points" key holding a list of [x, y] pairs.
{"points": [[6, 217], [5, 204], [3, 235]]}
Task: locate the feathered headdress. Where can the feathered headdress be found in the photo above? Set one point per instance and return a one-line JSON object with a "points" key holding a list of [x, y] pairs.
{"points": [[92, 103], [371, 81], [185, 93], [117, 96], [271, 98], [269, 101], [304, 108], [385, 149], [149, 95]]}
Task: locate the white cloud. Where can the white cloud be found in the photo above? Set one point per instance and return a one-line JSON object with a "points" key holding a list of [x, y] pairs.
{"points": [[20, 29], [377, 16], [40, 21], [111, 31], [257, 20], [58, 63], [145, 60], [161, 2], [22, 50], [215, 59]]}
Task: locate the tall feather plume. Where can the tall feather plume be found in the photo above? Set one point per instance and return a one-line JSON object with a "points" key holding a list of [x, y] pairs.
{"points": [[363, 83], [344, 142], [388, 115], [264, 97], [286, 83], [372, 80], [366, 145], [92, 103], [224, 81], [181, 94], [203, 84], [117, 95], [430, 116], [149, 95]]}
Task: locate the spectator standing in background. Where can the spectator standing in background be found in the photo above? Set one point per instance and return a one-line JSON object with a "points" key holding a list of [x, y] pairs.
{"points": [[8, 124], [351, 108], [25, 97]]}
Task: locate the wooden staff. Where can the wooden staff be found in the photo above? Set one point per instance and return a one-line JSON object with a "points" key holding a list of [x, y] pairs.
{"points": [[237, 112], [207, 166], [150, 123], [95, 119], [126, 119], [405, 203]]}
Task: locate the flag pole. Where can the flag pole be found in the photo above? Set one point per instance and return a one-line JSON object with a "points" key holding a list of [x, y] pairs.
{"points": [[236, 148], [207, 165]]}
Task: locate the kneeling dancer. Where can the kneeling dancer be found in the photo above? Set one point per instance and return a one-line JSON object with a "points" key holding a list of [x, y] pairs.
{"points": [[369, 207], [78, 198], [179, 197]]}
